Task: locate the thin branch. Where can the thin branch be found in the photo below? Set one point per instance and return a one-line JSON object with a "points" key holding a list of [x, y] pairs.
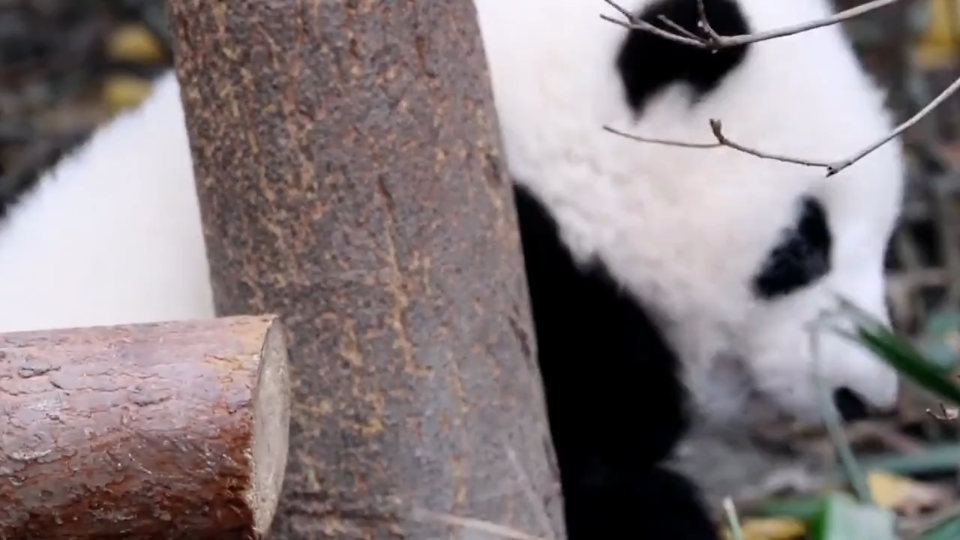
{"points": [[832, 167], [635, 23], [676, 27], [529, 492], [714, 41], [722, 141], [717, 129], [711, 40], [704, 23], [841, 165], [664, 142], [487, 527], [946, 413]]}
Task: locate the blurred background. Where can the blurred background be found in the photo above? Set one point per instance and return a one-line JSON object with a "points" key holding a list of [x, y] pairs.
{"points": [[66, 66]]}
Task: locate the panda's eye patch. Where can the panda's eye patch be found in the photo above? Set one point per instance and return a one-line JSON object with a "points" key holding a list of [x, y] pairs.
{"points": [[802, 256]]}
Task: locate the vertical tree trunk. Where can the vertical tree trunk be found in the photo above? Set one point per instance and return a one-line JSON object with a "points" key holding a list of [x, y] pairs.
{"points": [[347, 164]]}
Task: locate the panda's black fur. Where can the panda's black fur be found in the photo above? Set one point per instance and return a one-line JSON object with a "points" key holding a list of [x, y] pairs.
{"points": [[607, 333], [615, 423]]}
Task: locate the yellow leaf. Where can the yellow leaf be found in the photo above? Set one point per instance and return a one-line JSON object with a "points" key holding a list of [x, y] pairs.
{"points": [[122, 91], [932, 56], [940, 31], [903, 494], [134, 43], [770, 529]]}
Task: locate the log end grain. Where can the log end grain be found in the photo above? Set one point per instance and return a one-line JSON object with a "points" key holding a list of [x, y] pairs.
{"points": [[271, 433]]}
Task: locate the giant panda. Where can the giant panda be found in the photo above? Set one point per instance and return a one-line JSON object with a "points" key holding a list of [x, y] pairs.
{"points": [[657, 271], [668, 285]]}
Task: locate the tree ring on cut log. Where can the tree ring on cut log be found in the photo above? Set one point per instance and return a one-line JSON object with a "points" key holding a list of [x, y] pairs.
{"points": [[270, 431]]}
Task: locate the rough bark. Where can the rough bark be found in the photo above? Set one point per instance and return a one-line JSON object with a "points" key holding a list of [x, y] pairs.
{"points": [[150, 431], [348, 170]]}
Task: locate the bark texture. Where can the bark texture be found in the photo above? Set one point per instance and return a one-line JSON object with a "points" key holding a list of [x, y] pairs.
{"points": [[143, 432], [348, 170]]}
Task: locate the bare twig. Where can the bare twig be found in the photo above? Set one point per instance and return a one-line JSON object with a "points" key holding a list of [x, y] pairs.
{"points": [[635, 23], [876, 431], [676, 27], [832, 167], [711, 40], [717, 129], [704, 23], [487, 527], [949, 91], [665, 142], [527, 486], [946, 413], [722, 141]]}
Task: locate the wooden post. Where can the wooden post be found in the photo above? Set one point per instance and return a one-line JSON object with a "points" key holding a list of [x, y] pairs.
{"points": [[148, 431], [350, 180]]}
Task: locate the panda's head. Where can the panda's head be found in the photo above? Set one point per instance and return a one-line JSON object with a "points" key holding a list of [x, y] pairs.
{"points": [[736, 256], [833, 245]]}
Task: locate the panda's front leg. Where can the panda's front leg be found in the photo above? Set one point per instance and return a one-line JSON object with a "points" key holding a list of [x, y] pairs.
{"points": [[656, 504]]}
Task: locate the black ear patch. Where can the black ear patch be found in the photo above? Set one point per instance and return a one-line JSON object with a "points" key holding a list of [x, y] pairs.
{"points": [[648, 63], [801, 258]]}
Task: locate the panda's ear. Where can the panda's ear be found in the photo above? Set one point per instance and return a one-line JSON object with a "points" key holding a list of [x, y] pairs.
{"points": [[802, 256], [648, 63]]}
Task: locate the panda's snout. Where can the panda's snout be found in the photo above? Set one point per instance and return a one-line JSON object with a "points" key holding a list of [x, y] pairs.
{"points": [[851, 405]]}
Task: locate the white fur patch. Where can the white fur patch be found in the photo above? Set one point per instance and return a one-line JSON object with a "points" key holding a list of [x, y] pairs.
{"points": [[112, 234]]}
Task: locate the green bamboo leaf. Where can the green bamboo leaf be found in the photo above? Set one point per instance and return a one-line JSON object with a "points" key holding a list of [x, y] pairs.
{"points": [[948, 529], [900, 354], [733, 521], [804, 508], [843, 518], [934, 342]]}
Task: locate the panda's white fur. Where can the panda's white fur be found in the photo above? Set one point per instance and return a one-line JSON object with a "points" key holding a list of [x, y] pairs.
{"points": [[649, 207], [112, 234]]}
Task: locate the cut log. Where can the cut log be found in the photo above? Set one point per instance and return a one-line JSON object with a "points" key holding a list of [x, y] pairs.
{"points": [[148, 431]]}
